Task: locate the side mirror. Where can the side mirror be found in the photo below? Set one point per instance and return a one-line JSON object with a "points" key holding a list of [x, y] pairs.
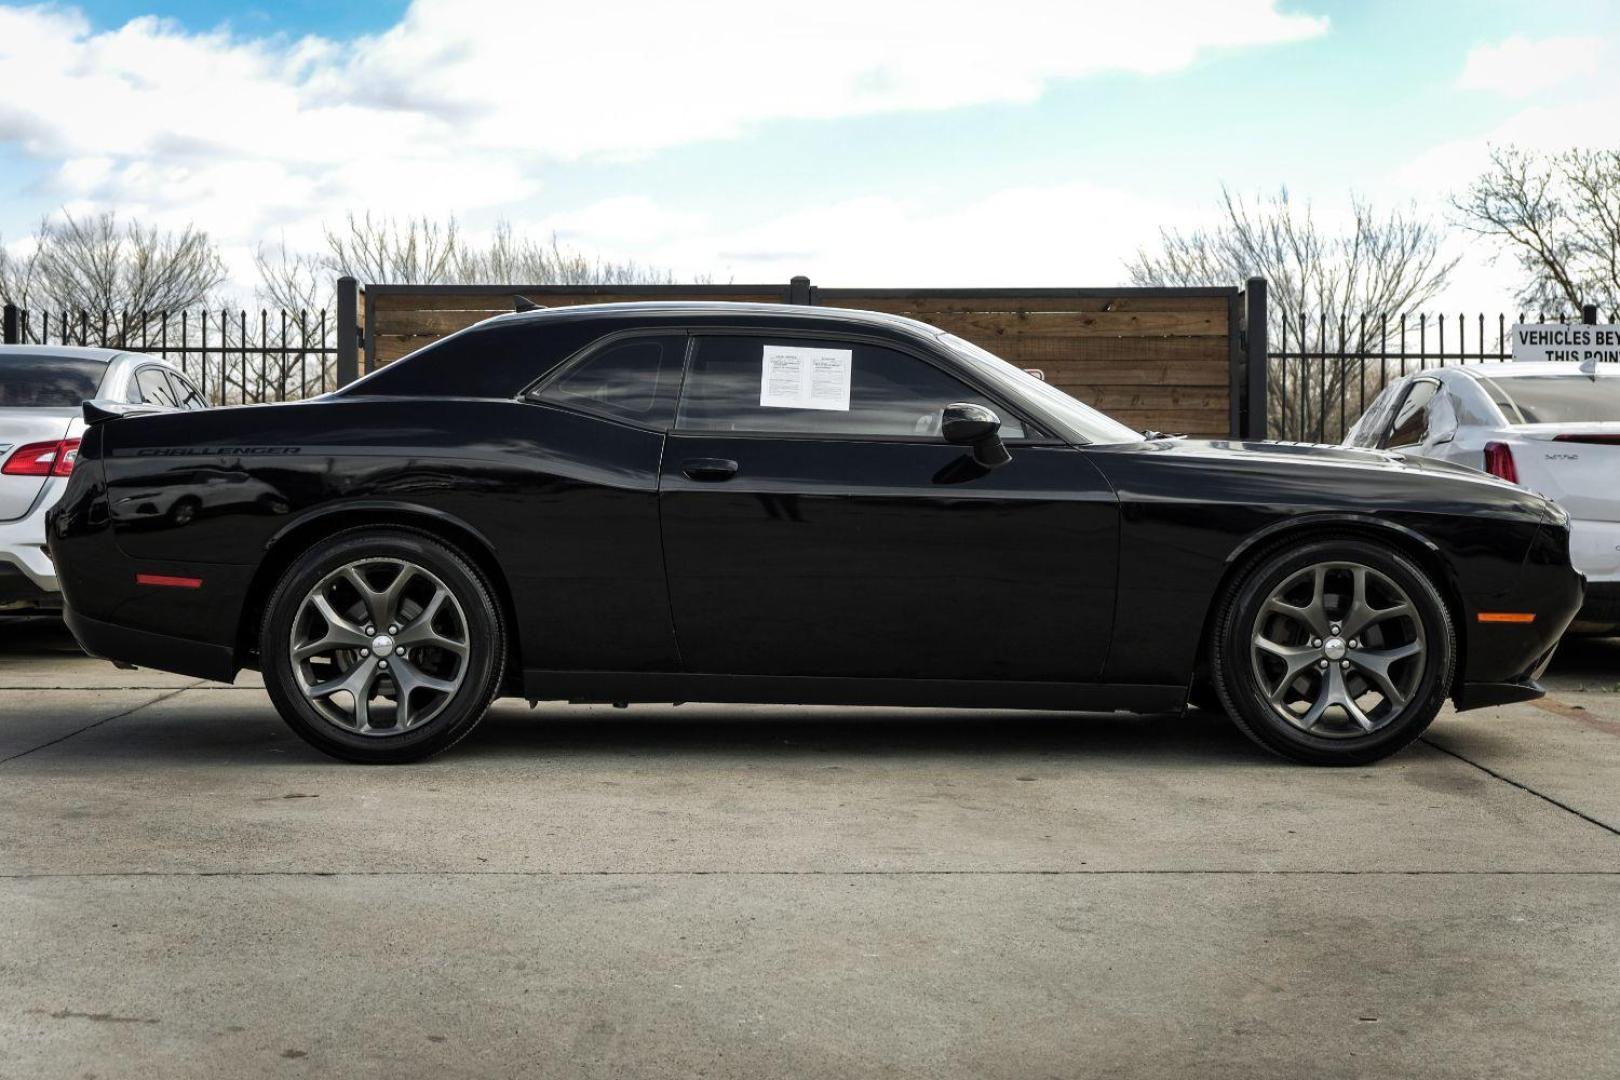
{"points": [[966, 424]]}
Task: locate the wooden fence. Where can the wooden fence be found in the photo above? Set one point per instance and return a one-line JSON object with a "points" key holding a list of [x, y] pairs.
{"points": [[1169, 359]]}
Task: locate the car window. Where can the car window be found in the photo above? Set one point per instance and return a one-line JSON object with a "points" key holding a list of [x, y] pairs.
{"points": [[1073, 417], [1366, 431], [820, 387], [48, 382], [185, 393], [634, 380], [1411, 423], [1557, 399], [153, 388]]}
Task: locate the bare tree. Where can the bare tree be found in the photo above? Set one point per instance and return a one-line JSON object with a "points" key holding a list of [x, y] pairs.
{"points": [[509, 259], [388, 251], [1558, 215], [295, 322], [291, 280], [424, 251], [104, 269], [1330, 291]]}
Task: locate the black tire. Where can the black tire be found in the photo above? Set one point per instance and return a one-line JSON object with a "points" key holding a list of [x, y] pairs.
{"points": [[1239, 685], [480, 672]]}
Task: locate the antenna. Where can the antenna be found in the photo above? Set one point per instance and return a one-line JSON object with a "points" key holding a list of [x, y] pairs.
{"points": [[523, 303]]}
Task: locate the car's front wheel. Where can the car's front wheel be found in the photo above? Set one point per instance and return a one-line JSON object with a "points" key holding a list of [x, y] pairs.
{"points": [[1333, 652], [382, 646]]}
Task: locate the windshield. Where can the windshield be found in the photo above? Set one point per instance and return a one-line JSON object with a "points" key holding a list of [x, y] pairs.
{"points": [[1079, 421], [49, 382], [1557, 399]]}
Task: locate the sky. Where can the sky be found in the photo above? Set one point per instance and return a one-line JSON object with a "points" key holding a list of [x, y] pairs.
{"points": [[872, 143]]}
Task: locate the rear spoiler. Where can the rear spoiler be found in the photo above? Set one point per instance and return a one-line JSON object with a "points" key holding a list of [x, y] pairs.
{"points": [[102, 410]]}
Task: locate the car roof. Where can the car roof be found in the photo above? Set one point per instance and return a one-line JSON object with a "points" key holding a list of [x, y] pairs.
{"points": [[677, 309], [1525, 369], [66, 352]]}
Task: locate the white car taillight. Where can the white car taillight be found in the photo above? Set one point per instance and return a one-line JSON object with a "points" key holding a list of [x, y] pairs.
{"points": [[53, 458]]}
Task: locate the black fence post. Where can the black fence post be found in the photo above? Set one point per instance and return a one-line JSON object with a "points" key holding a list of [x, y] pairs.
{"points": [[1255, 347], [13, 325], [799, 290], [348, 330], [1588, 315]]}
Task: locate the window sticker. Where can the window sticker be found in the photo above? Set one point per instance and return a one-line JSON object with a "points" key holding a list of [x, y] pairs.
{"points": [[799, 378]]}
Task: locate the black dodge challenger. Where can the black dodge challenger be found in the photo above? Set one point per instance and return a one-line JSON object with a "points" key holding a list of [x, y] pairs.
{"points": [[762, 503]]}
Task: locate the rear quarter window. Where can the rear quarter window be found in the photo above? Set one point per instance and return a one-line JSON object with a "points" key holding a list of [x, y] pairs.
{"points": [[1559, 399], [48, 381], [498, 361]]}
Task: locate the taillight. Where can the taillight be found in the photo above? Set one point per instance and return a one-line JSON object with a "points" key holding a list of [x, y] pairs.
{"points": [[1599, 440], [42, 459], [1499, 461]]}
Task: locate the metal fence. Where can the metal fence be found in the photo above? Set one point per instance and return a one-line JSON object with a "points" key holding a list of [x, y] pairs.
{"points": [[1322, 376], [234, 357]]}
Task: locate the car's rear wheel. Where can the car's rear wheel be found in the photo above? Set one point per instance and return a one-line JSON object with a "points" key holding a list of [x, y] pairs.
{"points": [[1333, 652], [382, 646]]}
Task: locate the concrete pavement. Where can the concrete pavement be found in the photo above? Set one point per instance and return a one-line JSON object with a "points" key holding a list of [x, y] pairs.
{"points": [[186, 890]]}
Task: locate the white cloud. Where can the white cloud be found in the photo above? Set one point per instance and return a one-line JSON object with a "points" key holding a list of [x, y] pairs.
{"points": [[1574, 117], [574, 82], [1522, 67], [464, 104]]}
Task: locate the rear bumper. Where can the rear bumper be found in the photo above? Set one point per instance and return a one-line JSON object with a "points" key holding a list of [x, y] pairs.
{"points": [[25, 569], [20, 593], [144, 648]]}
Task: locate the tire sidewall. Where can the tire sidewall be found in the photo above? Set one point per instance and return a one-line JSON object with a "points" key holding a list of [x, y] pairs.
{"points": [[485, 660], [1241, 692]]}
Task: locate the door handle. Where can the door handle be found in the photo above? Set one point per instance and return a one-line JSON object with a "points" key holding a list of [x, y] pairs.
{"points": [[709, 469]]}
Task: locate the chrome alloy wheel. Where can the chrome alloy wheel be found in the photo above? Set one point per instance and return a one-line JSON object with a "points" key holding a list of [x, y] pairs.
{"points": [[1338, 649], [379, 646]]}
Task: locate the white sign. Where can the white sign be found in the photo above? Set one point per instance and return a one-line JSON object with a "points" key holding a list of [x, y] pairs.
{"points": [[795, 378], [1572, 342]]}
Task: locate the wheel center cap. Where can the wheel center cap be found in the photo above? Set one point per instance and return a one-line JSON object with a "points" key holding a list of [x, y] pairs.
{"points": [[382, 645], [1332, 648]]}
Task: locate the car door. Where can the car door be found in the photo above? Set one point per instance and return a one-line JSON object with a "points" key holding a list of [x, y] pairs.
{"points": [[829, 530]]}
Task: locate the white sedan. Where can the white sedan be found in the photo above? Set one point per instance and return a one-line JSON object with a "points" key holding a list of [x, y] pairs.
{"points": [[1551, 427], [42, 390]]}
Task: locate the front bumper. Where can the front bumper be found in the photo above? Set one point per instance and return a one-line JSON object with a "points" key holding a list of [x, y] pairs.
{"points": [[1526, 687], [1504, 657]]}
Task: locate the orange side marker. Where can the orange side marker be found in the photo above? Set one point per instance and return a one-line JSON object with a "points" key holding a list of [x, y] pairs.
{"points": [[1507, 616]]}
